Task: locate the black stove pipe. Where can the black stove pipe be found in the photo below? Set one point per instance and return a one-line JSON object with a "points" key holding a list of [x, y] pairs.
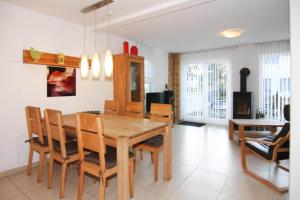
{"points": [[244, 72]]}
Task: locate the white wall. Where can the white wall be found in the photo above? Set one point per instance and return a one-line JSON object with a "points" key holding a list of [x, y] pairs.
{"points": [[156, 68], [295, 100], [24, 84]]}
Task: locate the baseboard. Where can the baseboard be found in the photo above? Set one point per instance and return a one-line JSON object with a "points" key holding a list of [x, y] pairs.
{"points": [[17, 169]]}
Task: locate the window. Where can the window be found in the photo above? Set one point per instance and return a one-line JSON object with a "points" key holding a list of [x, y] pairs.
{"points": [[275, 78], [204, 87]]}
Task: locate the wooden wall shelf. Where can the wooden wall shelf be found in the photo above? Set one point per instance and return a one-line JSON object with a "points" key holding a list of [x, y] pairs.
{"points": [[51, 59]]}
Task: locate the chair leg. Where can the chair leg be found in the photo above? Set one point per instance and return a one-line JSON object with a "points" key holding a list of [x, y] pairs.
{"points": [[50, 172], [102, 188], [41, 167], [141, 154], [243, 155], [281, 166], [63, 180], [151, 157], [155, 161], [131, 178], [134, 165], [80, 184], [267, 182], [29, 166], [257, 177]]}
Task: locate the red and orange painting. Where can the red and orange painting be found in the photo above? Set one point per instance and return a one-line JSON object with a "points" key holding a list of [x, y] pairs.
{"points": [[61, 82]]}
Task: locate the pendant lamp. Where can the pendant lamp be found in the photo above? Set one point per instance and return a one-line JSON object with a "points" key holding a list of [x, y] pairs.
{"points": [[108, 62], [95, 60], [84, 63]]}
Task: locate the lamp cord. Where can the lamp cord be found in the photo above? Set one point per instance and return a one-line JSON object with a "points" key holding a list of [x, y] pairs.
{"points": [[95, 16], [108, 34], [84, 35]]}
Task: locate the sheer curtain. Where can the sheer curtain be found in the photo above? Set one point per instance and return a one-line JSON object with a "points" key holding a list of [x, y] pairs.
{"points": [[205, 86], [275, 78]]}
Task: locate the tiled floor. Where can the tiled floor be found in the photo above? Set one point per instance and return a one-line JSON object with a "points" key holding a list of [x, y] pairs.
{"points": [[206, 166]]}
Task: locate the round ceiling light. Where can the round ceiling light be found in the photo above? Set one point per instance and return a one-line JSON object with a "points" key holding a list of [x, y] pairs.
{"points": [[232, 33]]}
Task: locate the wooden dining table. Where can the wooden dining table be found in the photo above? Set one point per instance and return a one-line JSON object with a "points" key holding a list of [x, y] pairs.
{"points": [[123, 132]]}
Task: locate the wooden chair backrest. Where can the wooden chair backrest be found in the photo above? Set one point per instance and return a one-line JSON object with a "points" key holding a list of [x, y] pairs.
{"points": [[55, 130], [161, 112], [280, 145], [34, 123], [135, 109], [90, 136], [110, 107]]}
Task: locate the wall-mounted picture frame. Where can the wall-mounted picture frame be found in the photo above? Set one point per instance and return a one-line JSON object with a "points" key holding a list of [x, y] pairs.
{"points": [[61, 81]]}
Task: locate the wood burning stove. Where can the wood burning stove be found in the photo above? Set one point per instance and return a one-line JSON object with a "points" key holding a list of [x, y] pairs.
{"points": [[242, 101]]}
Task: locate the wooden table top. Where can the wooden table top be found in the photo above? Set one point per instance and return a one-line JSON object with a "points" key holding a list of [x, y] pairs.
{"points": [[118, 126], [257, 122]]}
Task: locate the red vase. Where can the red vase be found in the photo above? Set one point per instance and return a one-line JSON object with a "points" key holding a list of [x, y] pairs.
{"points": [[134, 50], [125, 47]]}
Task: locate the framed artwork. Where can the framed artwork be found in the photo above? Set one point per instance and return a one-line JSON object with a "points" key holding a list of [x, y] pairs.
{"points": [[61, 81]]}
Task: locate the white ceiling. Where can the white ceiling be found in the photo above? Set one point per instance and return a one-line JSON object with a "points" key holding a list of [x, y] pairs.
{"points": [[179, 25]]}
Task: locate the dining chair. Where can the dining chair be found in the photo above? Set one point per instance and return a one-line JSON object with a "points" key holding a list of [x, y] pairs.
{"points": [[110, 107], [37, 139], [61, 150], [160, 113], [101, 162], [270, 148], [135, 109]]}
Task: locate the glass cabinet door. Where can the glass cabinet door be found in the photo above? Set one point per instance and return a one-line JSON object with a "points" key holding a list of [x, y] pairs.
{"points": [[135, 81]]}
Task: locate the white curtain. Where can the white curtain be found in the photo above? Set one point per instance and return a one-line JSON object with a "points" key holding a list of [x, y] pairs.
{"points": [[205, 86], [275, 81]]}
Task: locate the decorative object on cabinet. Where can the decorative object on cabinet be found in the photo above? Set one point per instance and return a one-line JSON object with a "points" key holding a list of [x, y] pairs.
{"points": [[35, 54], [61, 58], [125, 47], [134, 50], [128, 80], [61, 82], [51, 59]]}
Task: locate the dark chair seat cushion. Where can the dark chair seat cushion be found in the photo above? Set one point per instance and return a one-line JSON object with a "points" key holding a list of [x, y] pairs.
{"points": [[71, 147], [155, 141], [110, 157], [70, 137], [267, 150], [37, 141], [261, 149]]}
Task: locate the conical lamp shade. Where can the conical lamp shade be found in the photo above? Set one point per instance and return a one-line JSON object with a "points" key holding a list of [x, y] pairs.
{"points": [[95, 66], [108, 63], [84, 66]]}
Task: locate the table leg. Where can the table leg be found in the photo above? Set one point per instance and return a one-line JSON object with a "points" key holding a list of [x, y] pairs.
{"points": [[231, 129], [241, 132], [168, 153], [273, 129], [122, 161]]}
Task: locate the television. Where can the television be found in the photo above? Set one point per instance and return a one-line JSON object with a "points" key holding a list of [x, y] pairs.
{"points": [[158, 97]]}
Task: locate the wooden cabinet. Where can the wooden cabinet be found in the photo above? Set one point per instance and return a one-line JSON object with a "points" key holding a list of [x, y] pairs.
{"points": [[128, 80]]}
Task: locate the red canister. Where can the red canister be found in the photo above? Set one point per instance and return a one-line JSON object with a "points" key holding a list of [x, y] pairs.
{"points": [[125, 47], [134, 50]]}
